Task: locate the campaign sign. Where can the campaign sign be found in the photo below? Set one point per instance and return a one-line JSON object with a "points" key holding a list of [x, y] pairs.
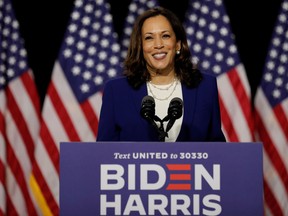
{"points": [[147, 178]]}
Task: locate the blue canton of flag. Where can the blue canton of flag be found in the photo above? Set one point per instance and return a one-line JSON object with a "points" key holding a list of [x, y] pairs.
{"points": [[275, 75], [13, 61], [210, 38], [90, 54], [136, 8]]}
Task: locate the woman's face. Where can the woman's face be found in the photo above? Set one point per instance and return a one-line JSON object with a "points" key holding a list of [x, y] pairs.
{"points": [[159, 45]]}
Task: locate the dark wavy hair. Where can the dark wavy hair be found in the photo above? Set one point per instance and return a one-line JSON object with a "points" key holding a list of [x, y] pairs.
{"points": [[135, 65]]}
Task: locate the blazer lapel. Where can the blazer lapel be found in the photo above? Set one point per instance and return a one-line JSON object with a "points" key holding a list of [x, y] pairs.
{"points": [[189, 104], [138, 95]]}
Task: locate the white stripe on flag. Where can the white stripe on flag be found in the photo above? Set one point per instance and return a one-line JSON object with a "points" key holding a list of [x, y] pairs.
{"points": [[272, 126], [47, 169], [71, 105], [15, 193], [233, 107], [273, 180]]}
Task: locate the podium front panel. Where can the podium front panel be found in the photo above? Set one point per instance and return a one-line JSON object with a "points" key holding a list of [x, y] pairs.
{"points": [[147, 178]]}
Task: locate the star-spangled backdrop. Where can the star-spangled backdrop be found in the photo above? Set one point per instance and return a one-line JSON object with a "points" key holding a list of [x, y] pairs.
{"points": [[271, 104], [43, 32], [87, 57], [19, 118], [213, 48]]}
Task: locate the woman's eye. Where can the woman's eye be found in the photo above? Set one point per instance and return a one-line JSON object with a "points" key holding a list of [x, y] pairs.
{"points": [[166, 36], [148, 38]]}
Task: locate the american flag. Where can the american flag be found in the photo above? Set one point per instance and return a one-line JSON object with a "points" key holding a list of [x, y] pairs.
{"points": [[89, 55], [136, 8], [19, 118], [271, 105], [212, 45]]}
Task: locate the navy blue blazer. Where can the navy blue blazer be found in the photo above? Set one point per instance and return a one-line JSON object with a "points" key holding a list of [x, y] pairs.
{"points": [[120, 118]]}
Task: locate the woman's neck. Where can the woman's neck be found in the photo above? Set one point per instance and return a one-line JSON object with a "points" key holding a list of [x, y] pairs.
{"points": [[162, 78]]}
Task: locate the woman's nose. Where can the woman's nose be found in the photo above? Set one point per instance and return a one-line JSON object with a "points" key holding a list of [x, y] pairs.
{"points": [[158, 43], [159, 46]]}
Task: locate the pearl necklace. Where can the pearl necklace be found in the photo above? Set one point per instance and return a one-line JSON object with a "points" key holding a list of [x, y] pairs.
{"points": [[167, 88], [162, 89]]}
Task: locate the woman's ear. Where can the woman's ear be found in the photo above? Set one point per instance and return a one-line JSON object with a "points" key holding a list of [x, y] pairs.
{"points": [[178, 45]]}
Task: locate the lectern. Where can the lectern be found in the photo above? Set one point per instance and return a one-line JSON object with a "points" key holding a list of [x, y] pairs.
{"points": [[151, 178]]}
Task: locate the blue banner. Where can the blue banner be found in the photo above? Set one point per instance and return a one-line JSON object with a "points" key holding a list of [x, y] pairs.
{"points": [[106, 178]]}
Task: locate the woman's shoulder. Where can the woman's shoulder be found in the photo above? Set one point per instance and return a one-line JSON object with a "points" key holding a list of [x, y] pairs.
{"points": [[116, 81], [208, 76], [209, 81]]}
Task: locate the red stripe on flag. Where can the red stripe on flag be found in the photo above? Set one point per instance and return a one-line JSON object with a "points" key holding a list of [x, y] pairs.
{"points": [[63, 115], [179, 166], [2, 172], [227, 123], [243, 98], [50, 146], [271, 201], [272, 152], [31, 90], [2, 182], [19, 120], [90, 115], [17, 171], [1, 212], [45, 190], [10, 208], [282, 119]]}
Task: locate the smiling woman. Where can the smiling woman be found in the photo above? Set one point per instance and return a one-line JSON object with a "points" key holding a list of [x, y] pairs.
{"points": [[159, 49], [158, 66]]}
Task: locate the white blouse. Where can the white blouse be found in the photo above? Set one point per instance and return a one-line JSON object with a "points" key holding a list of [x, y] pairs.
{"points": [[162, 95]]}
